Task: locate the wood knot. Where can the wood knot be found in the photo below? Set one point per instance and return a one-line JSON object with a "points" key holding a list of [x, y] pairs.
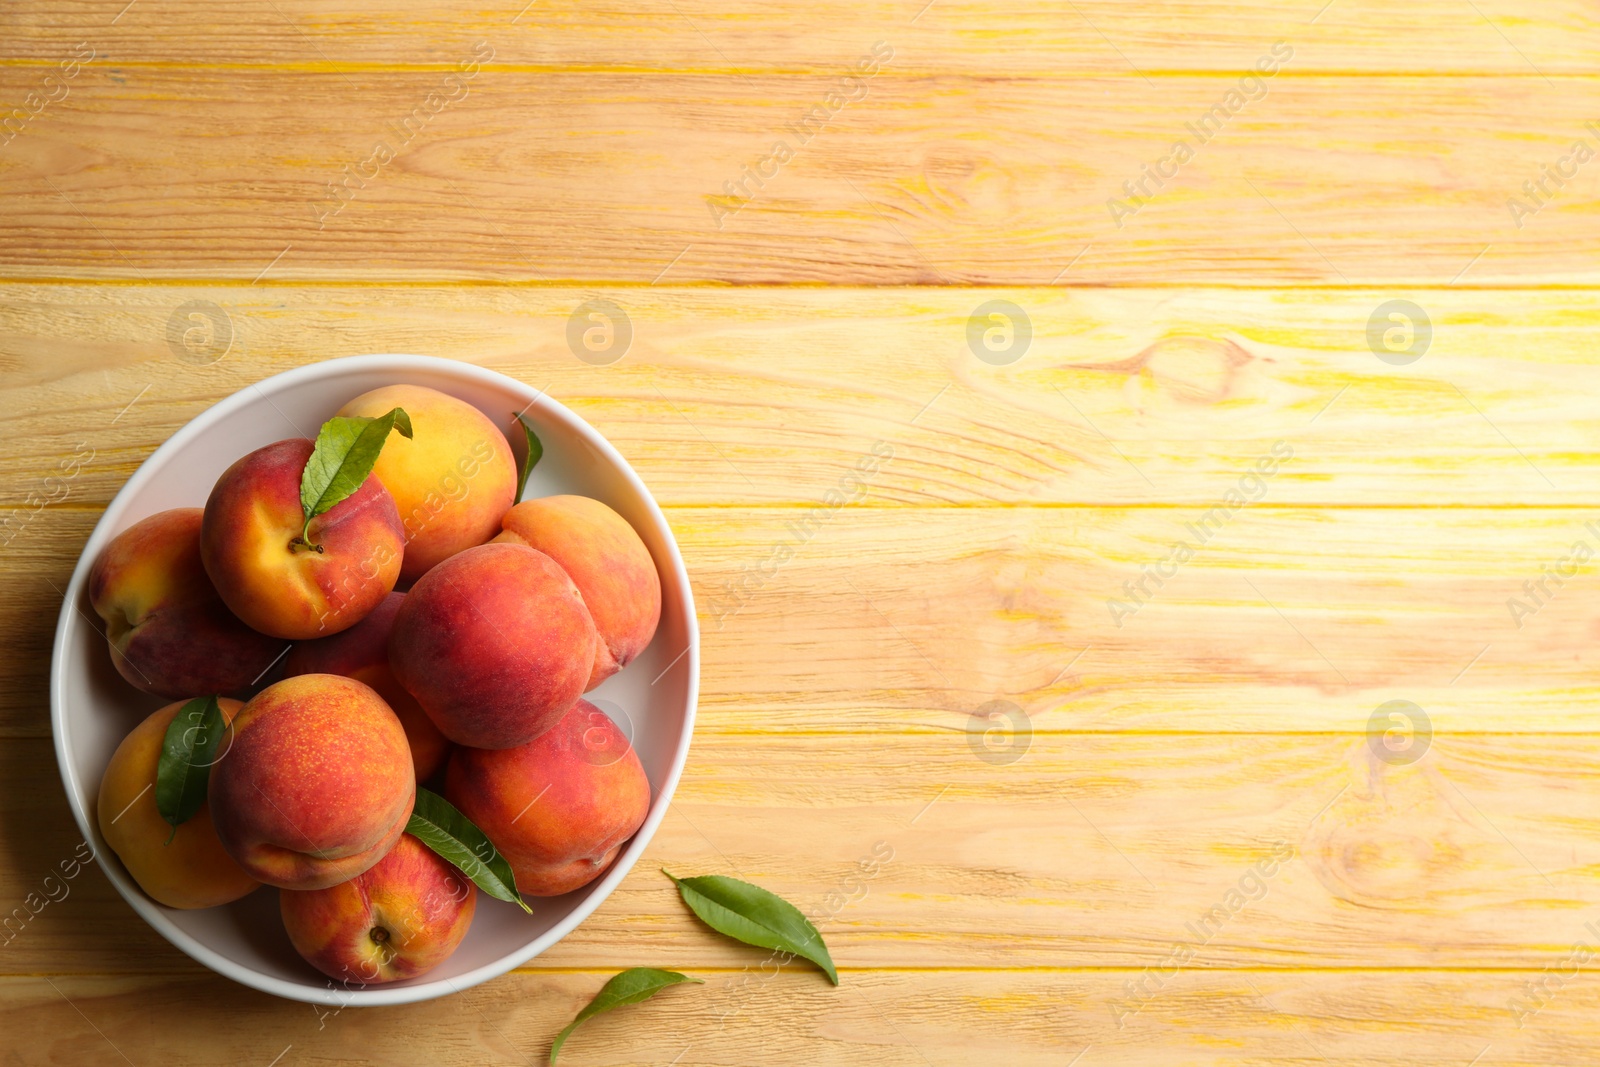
{"points": [[1190, 368], [1399, 839]]}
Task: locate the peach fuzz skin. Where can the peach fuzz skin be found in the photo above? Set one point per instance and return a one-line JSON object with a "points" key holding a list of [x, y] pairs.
{"points": [[362, 653], [397, 920], [451, 481], [608, 563], [495, 644], [559, 808], [170, 633], [250, 543], [193, 871], [317, 784]]}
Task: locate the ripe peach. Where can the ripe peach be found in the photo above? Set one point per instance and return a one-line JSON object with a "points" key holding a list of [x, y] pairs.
{"points": [[250, 542], [452, 480], [317, 785], [607, 562], [169, 631], [495, 644], [560, 807], [362, 653], [402, 917], [193, 870]]}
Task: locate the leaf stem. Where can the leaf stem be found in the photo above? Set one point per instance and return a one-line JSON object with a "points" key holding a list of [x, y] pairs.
{"points": [[305, 537]]}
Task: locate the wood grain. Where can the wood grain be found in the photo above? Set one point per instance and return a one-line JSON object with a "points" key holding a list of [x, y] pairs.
{"points": [[1046, 874], [771, 395], [894, 619], [1270, 851], [1030, 37], [901, 1019], [921, 180]]}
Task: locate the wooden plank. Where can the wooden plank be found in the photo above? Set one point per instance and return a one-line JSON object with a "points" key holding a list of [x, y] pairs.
{"points": [[771, 396], [1087, 851], [1032, 907], [1030, 37], [903, 1019], [199, 173], [892, 619]]}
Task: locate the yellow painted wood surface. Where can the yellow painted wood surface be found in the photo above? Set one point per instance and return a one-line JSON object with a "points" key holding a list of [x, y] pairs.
{"points": [[1033, 37], [1426, 911], [791, 385], [922, 179]]}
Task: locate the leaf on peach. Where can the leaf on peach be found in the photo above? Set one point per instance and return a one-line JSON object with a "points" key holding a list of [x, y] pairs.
{"points": [[436, 823], [531, 457], [187, 751], [347, 447]]}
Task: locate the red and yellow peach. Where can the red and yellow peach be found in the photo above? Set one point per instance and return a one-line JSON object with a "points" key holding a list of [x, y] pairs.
{"points": [[452, 480], [317, 784], [400, 918], [170, 633], [608, 563], [182, 868], [284, 584], [559, 808], [495, 643]]}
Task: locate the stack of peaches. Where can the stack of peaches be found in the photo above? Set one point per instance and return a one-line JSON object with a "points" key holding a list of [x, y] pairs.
{"points": [[469, 683]]}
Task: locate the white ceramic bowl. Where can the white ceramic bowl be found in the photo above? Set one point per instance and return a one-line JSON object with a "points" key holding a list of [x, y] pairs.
{"points": [[92, 708]]}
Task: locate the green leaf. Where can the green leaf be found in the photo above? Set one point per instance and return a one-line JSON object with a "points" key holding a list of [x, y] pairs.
{"points": [[629, 987], [437, 824], [535, 454], [187, 752], [346, 449], [750, 914]]}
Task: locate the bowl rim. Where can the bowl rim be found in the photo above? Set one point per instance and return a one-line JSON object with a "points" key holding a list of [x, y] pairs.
{"points": [[60, 728]]}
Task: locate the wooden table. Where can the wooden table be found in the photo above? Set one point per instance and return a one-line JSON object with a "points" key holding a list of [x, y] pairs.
{"points": [[1195, 508]]}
